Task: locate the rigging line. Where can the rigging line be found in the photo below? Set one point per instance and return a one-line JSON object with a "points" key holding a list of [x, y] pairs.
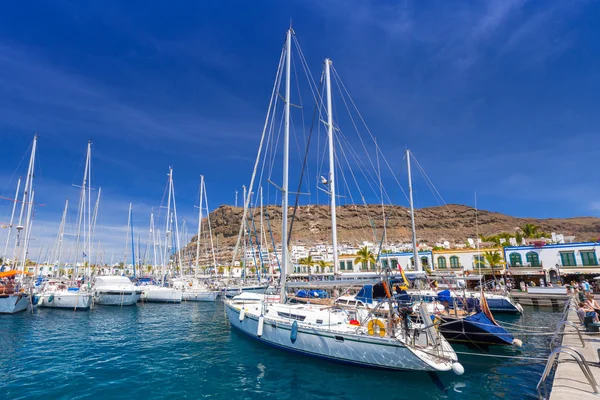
{"points": [[296, 201], [273, 154], [341, 170], [359, 163], [368, 130], [428, 179], [301, 111], [27, 152], [260, 147]]}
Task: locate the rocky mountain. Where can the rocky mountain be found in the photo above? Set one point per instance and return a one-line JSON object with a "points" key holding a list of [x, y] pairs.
{"points": [[454, 223]]}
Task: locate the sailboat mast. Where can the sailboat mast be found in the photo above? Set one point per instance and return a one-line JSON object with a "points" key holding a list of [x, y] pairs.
{"points": [[62, 233], [26, 196], [199, 225], [286, 151], [244, 260], [12, 219], [132, 242], [162, 275], [28, 222], [89, 209], [331, 180], [153, 236], [412, 215]]}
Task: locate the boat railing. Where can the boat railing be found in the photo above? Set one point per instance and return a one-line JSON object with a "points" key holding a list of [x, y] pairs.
{"points": [[542, 388]]}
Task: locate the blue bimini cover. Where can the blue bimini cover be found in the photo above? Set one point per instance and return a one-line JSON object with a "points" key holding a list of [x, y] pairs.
{"points": [[365, 294]]}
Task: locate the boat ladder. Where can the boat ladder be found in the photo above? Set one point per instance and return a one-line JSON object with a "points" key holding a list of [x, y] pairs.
{"points": [[578, 357]]}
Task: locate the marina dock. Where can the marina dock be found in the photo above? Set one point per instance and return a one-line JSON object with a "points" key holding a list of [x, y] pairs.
{"points": [[569, 381]]}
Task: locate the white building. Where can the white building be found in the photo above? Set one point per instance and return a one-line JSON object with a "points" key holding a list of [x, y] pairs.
{"points": [[551, 261]]}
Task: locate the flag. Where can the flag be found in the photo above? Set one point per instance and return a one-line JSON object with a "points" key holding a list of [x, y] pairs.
{"points": [[403, 276], [485, 308], [84, 255]]}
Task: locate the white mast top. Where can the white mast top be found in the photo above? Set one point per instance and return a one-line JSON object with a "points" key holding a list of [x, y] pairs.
{"points": [[412, 216], [199, 224], [286, 150], [331, 180]]}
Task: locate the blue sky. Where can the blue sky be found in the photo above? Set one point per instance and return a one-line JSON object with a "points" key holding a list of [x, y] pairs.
{"points": [[498, 97]]}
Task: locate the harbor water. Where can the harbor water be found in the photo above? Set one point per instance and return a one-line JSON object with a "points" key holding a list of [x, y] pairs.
{"points": [[189, 351]]}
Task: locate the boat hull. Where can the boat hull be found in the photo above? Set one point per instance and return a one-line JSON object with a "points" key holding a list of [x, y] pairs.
{"points": [[366, 351], [232, 292], [199, 296], [14, 303], [65, 300], [474, 329], [162, 295], [106, 298]]}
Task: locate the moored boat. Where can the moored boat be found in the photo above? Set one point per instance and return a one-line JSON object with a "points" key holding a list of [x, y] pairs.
{"points": [[116, 291]]}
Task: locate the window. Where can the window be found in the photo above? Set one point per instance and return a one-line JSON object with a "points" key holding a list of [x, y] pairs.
{"points": [[342, 265], [533, 259], [479, 261], [394, 263], [442, 262], [364, 266], [567, 258], [454, 262], [425, 262], [515, 259], [349, 266], [373, 265], [384, 263], [588, 257]]}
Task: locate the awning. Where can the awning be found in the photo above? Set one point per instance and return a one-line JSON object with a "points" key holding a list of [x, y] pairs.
{"points": [[516, 272], [580, 271], [13, 272]]}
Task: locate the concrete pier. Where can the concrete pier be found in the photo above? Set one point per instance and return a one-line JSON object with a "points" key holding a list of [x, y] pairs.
{"points": [[569, 381]]}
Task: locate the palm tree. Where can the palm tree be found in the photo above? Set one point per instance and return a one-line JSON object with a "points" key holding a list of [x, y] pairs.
{"points": [[220, 269], [364, 257], [530, 231], [307, 261], [493, 258], [323, 264], [253, 270]]}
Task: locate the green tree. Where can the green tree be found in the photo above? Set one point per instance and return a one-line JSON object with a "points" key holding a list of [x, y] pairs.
{"points": [[307, 262], [493, 258], [530, 231], [365, 256], [323, 264]]}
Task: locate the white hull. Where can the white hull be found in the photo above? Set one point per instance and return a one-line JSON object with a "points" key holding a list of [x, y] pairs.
{"points": [[196, 295], [356, 349], [65, 299], [159, 294], [14, 303], [117, 299], [232, 292]]}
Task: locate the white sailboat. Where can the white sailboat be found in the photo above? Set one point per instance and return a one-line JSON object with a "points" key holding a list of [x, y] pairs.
{"points": [[114, 290], [334, 333], [57, 293], [161, 293], [13, 298], [193, 289]]}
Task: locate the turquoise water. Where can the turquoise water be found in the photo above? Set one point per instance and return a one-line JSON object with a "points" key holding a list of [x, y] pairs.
{"points": [[188, 351]]}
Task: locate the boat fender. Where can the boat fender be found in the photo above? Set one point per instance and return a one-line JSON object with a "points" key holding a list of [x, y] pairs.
{"points": [[261, 322], [51, 298], [458, 368], [242, 314], [294, 332], [35, 300], [517, 342], [373, 323]]}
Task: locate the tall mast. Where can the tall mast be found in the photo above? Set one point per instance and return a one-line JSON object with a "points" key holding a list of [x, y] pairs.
{"points": [[199, 225], [62, 234], [89, 210], [412, 215], [12, 218], [212, 245], [26, 196], [153, 236], [286, 151], [94, 218], [177, 241], [28, 222], [477, 239], [81, 216], [132, 242], [245, 259], [331, 180], [167, 232]]}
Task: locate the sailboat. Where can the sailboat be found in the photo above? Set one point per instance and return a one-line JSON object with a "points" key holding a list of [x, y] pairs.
{"points": [[333, 333], [14, 298], [114, 290], [159, 293], [193, 288], [61, 293]]}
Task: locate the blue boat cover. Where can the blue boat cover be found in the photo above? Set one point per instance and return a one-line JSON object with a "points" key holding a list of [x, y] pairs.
{"points": [[365, 294], [483, 322], [319, 294]]}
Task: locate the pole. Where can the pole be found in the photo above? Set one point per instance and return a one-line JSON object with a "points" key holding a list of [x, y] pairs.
{"points": [[200, 224], [412, 215], [331, 166], [286, 151]]}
